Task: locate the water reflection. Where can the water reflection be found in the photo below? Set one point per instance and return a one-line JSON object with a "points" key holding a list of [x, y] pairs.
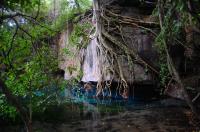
{"points": [[81, 110]]}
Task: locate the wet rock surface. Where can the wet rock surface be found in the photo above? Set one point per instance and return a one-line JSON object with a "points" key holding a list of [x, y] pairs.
{"points": [[158, 119], [153, 119]]}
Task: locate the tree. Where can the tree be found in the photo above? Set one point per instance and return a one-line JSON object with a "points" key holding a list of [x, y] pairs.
{"points": [[24, 55], [174, 16], [28, 62]]}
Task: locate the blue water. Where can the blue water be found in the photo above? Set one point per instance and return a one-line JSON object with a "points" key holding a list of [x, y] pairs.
{"points": [[77, 94], [80, 95]]}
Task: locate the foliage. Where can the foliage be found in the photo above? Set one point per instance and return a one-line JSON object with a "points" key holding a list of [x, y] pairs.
{"points": [[6, 109], [69, 11], [27, 60], [79, 36], [22, 5], [176, 18]]}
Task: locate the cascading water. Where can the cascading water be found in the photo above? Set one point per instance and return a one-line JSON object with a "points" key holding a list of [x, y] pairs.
{"points": [[91, 71], [92, 63]]}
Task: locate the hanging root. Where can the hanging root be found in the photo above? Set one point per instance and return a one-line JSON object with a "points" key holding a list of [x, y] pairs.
{"points": [[109, 47], [108, 84], [100, 86]]}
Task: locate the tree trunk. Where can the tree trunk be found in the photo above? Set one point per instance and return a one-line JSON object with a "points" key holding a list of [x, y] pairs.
{"points": [[171, 65], [16, 103]]}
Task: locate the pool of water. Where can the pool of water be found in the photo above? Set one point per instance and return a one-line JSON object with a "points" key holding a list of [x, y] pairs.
{"points": [[81, 110], [80, 95]]}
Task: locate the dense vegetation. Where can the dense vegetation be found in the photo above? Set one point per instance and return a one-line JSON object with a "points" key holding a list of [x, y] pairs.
{"points": [[176, 18], [29, 31], [28, 57]]}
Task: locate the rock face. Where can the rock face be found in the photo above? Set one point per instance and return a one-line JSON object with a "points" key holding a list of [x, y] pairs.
{"points": [[137, 39], [68, 55]]}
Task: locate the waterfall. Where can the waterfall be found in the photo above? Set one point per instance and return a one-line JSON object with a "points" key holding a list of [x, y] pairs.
{"points": [[91, 65]]}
